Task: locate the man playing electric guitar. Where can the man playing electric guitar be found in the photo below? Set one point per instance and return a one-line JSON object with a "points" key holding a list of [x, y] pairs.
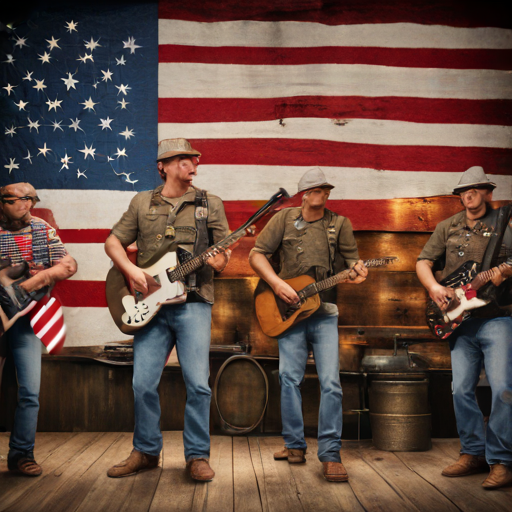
{"points": [[315, 241], [174, 215], [24, 238], [485, 337]]}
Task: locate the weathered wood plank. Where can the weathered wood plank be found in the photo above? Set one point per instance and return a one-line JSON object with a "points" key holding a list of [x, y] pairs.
{"points": [[259, 472], [109, 493], [49, 490], [372, 491], [220, 490], [398, 476], [280, 488], [175, 488], [76, 492], [246, 495], [50, 451], [466, 493]]}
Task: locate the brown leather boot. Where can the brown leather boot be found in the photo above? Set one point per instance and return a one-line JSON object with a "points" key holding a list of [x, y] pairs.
{"points": [[200, 470], [335, 472], [466, 465], [136, 462], [292, 455], [26, 466], [500, 476]]}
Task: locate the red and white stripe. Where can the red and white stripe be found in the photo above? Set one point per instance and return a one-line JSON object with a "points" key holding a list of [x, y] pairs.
{"points": [[47, 320], [392, 99]]}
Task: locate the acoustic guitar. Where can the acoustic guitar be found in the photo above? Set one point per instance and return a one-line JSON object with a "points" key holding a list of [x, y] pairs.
{"points": [[466, 281], [276, 316], [132, 310]]}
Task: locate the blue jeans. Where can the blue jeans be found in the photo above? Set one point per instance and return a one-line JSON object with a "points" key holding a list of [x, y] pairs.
{"points": [[487, 341], [26, 352], [321, 333], [188, 327]]}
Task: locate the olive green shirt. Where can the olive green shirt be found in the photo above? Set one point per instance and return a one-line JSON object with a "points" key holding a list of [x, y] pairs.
{"points": [[462, 243], [303, 247], [159, 227]]}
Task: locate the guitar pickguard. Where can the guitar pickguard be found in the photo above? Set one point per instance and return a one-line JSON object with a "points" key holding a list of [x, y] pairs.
{"points": [[139, 313]]}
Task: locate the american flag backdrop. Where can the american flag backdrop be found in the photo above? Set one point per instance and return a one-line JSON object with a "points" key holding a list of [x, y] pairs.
{"points": [[392, 99]]}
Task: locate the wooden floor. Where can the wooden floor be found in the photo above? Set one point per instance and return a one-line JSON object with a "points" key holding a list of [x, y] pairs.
{"points": [[247, 479]]}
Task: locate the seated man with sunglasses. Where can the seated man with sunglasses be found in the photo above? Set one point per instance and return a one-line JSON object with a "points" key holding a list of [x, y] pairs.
{"points": [[24, 238]]}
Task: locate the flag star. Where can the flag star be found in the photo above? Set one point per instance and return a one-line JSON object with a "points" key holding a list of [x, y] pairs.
{"points": [[53, 104], [74, 124], [43, 150], [79, 174], [127, 133], [122, 89], [65, 161], [71, 25], [120, 152], [33, 124], [45, 58], [121, 61], [39, 84], [21, 42], [107, 75], [95, 85], [105, 123], [89, 104], [131, 44], [21, 105], [9, 88], [10, 59], [87, 151], [92, 44], [56, 125], [10, 131], [28, 76], [12, 165], [123, 103], [52, 43], [109, 158], [70, 81], [28, 157], [86, 57]]}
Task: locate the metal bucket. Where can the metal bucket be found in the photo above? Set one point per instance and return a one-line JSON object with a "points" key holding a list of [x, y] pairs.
{"points": [[240, 394], [399, 415]]}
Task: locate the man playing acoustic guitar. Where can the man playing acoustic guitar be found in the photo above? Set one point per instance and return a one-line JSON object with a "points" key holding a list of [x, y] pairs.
{"points": [[175, 215], [468, 240], [27, 240], [309, 240]]}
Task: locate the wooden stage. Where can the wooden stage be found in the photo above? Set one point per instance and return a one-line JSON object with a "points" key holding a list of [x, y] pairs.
{"points": [[247, 479]]}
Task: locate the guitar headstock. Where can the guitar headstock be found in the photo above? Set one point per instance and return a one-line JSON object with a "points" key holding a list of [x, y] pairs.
{"points": [[379, 262]]}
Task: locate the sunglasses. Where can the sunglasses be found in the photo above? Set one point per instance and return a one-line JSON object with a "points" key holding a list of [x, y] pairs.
{"points": [[13, 199]]}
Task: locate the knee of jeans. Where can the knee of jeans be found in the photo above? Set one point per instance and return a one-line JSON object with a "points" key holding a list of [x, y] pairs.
{"points": [[28, 395], [503, 394], [286, 379], [143, 387]]}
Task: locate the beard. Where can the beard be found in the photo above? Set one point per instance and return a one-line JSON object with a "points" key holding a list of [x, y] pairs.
{"points": [[9, 224]]}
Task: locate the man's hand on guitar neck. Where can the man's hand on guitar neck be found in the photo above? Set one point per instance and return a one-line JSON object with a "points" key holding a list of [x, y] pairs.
{"points": [[358, 274], [219, 260]]}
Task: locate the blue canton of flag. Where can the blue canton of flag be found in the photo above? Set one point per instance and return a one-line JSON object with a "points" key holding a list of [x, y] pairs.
{"points": [[79, 99]]}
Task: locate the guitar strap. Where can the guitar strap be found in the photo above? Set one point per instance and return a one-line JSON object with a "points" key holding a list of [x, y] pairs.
{"points": [[332, 237], [493, 247], [201, 244]]}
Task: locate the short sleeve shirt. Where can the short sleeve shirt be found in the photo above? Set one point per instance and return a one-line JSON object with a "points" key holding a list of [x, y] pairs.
{"points": [[303, 247]]}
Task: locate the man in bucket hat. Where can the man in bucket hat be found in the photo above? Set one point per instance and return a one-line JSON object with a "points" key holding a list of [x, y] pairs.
{"points": [[174, 215], [485, 338], [310, 240]]}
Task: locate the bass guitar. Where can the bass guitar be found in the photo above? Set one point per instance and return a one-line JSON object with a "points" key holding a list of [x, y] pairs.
{"points": [[275, 315], [165, 279], [466, 281]]}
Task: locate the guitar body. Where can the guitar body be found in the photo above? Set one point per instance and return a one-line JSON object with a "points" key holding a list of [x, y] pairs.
{"points": [[443, 323], [274, 315], [133, 311]]}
